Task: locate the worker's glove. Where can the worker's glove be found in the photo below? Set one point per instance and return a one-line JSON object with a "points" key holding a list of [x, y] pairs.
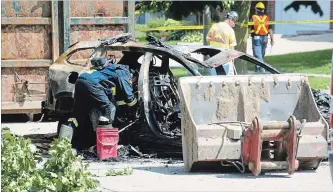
{"points": [[72, 122]]}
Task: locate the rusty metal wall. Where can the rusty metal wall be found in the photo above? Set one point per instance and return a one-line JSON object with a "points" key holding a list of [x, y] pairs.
{"points": [[90, 20], [94, 32], [34, 33], [26, 53], [96, 7], [11, 83], [26, 42], [26, 8]]}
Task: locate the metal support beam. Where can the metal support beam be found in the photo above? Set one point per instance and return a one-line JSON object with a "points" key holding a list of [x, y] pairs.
{"points": [[131, 17], [66, 22], [55, 30], [25, 21], [98, 20], [26, 63]]}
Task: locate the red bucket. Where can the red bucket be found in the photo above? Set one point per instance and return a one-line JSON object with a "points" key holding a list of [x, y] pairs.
{"points": [[107, 142]]}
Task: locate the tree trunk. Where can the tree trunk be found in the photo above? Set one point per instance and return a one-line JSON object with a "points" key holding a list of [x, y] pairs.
{"points": [[243, 9]]}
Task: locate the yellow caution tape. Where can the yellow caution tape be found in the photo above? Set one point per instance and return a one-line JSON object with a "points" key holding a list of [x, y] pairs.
{"points": [[290, 22], [197, 27], [194, 27]]}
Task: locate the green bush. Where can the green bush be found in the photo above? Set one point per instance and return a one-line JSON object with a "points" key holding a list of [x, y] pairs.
{"points": [[141, 36], [171, 22], [156, 34], [63, 171], [155, 23], [140, 27], [192, 37], [173, 35]]}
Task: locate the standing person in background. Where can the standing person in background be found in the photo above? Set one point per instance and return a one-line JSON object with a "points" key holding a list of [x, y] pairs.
{"points": [[259, 33], [223, 35]]}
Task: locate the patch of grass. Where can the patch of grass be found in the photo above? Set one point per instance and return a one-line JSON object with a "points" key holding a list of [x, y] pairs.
{"points": [[317, 62], [319, 82], [315, 82], [125, 171], [178, 72]]}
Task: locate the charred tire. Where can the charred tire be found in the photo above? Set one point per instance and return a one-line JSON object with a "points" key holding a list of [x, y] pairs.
{"points": [[309, 165], [163, 147]]}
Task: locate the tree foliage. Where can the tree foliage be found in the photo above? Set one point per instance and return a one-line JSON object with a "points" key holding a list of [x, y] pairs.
{"points": [[179, 9], [22, 169]]}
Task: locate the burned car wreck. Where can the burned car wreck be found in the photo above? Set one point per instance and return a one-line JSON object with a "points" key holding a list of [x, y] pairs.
{"points": [[157, 120]]}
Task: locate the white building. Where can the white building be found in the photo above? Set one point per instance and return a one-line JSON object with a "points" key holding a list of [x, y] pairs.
{"points": [[275, 10]]}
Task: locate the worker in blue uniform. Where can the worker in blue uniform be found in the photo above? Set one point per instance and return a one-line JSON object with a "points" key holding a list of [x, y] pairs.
{"points": [[99, 91]]}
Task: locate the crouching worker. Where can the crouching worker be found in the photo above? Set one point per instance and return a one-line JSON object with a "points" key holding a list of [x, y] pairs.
{"points": [[95, 96]]}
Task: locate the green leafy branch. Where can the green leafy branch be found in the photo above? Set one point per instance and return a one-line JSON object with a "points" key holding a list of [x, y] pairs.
{"points": [[63, 171]]}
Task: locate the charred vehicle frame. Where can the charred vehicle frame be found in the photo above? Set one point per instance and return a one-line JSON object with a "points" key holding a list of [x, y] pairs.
{"points": [[158, 116]]}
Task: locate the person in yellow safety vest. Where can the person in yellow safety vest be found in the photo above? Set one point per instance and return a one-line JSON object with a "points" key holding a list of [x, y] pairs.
{"points": [[223, 35], [259, 33]]}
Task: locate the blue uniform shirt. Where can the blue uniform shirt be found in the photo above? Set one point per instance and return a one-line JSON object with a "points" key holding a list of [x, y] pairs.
{"points": [[117, 74]]}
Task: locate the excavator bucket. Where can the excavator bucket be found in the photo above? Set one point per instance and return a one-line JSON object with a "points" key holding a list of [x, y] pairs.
{"points": [[260, 122]]}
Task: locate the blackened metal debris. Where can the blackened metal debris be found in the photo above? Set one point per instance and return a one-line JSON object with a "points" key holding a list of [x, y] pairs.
{"points": [[322, 100]]}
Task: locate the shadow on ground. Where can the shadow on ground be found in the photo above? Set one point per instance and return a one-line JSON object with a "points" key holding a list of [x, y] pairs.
{"points": [[215, 169]]}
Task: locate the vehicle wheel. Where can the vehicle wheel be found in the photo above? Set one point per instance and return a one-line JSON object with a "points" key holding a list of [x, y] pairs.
{"points": [[309, 165], [150, 143]]}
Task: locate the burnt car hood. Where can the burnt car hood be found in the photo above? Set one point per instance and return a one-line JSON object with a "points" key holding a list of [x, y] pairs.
{"points": [[220, 56]]}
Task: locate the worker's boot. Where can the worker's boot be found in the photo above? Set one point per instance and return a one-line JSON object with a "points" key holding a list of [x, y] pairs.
{"points": [[104, 122]]}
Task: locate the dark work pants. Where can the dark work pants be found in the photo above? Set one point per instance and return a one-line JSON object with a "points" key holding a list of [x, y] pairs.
{"points": [[90, 102]]}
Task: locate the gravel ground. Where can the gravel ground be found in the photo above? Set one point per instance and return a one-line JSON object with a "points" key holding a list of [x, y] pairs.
{"points": [[160, 176]]}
